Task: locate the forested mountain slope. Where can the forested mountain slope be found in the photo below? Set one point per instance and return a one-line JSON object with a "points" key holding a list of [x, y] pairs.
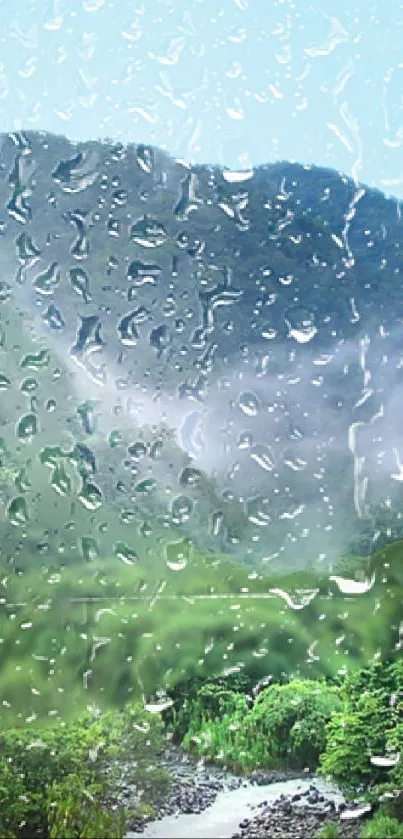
{"points": [[194, 353]]}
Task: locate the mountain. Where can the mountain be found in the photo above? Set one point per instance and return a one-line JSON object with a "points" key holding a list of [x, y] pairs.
{"points": [[190, 354]]}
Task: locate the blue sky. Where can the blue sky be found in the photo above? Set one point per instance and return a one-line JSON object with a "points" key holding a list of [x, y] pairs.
{"points": [[239, 82]]}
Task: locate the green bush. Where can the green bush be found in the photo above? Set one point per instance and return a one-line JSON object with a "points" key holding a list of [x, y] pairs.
{"points": [[330, 830], [62, 781], [285, 726], [352, 737], [382, 827], [76, 811], [369, 724], [217, 728], [291, 719]]}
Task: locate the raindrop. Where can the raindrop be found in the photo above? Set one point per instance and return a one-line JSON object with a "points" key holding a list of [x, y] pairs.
{"points": [[143, 273], [22, 481], [146, 487], [53, 318], [5, 382], [89, 548], [262, 455], [115, 439], [217, 521], [160, 338], [157, 707], [80, 283], [249, 404], [90, 496], [17, 511], [301, 325], [127, 330], [190, 476], [177, 555], [86, 412], [353, 586], [61, 482], [126, 554], [27, 427], [35, 361], [5, 292], [145, 158], [29, 385], [46, 282], [137, 450], [387, 760], [148, 232], [181, 509], [27, 252]]}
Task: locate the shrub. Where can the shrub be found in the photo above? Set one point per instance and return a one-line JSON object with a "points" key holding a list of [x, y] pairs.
{"points": [[62, 781], [370, 723], [382, 827], [352, 737], [330, 830], [291, 719], [76, 811]]}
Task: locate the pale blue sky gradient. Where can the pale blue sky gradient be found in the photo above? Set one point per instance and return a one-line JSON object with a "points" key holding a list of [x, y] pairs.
{"points": [[239, 82]]}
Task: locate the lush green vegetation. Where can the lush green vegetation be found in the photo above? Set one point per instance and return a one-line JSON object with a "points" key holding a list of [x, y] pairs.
{"points": [[65, 629], [368, 726], [330, 830], [284, 727], [62, 781], [349, 729], [126, 572], [383, 827]]}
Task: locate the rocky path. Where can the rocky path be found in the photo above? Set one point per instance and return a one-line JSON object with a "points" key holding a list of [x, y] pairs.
{"points": [[206, 801], [299, 816]]}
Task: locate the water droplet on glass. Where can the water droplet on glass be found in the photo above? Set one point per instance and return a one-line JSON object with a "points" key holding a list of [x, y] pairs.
{"points": [[61, 482], [127, 329], [146, 487], [29, 385], [126, 554], [27, 427], [263, 456], [17, 511], [46, 282], [177, 555], [148, 232], [80, 283], [190, 476], [249, 404], [137, 450], [35, 361], [5, 382], [90, 496], [89, 548], [181, 509]]}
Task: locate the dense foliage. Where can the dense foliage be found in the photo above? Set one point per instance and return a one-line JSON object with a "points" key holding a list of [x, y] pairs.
{"points": [[62, 781], [284, 727], [365, 738], [350, 729], [64, 631]]}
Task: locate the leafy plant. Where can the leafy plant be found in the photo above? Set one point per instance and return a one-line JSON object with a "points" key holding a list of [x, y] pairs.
{"points": [[292, 720], [63, 780], [330, 830], [369, 725], [382, 827]]}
